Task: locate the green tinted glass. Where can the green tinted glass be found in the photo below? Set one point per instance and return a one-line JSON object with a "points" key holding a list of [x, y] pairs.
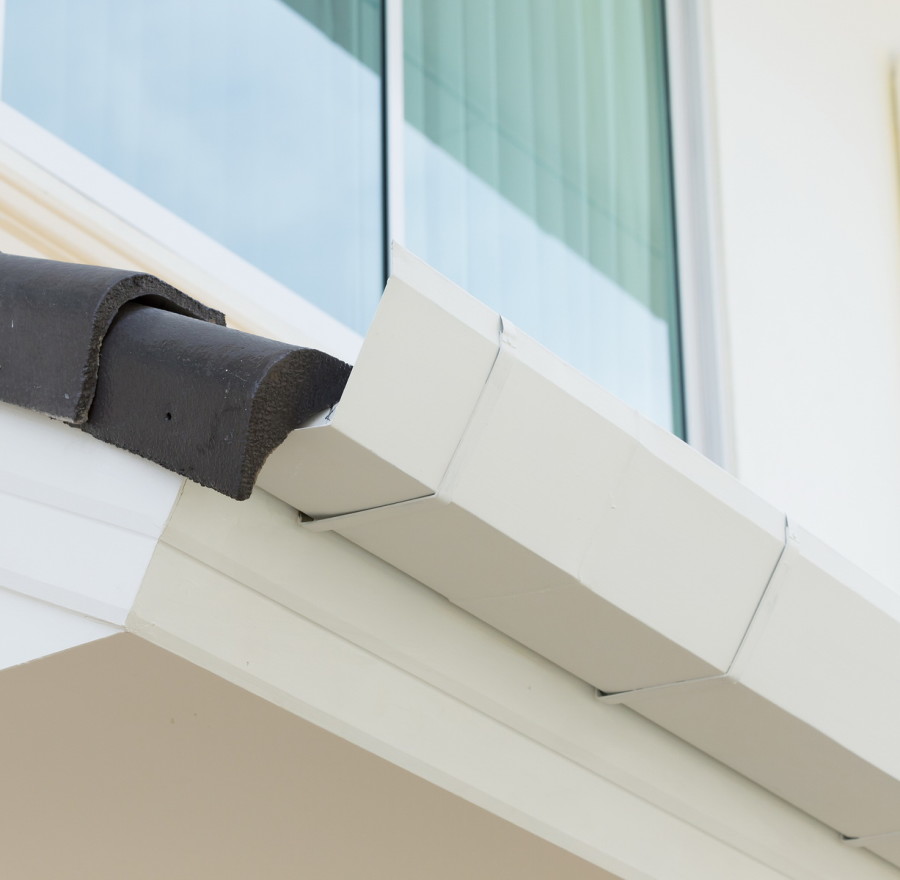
{"points": [[257, 121], [538, 177]]}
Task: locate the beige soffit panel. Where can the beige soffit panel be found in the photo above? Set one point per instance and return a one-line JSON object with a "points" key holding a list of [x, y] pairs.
{"points": [[546, 507], [141, 765]]}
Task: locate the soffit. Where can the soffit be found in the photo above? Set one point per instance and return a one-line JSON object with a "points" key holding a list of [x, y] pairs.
{"points": [[135, 762]]}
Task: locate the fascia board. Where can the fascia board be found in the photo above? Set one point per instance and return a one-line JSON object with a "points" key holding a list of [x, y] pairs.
{"points": [[80, 519], [214, 620], [47, 462], [215, 548]]}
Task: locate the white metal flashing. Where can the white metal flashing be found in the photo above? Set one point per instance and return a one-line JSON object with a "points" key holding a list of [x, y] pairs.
{"points": [[730, 674], [552, 506], [809, 695]]}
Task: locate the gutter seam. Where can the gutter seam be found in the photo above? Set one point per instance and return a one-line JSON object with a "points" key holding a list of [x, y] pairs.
{"points": [[859, 842], [441, 495], [732, 673]]}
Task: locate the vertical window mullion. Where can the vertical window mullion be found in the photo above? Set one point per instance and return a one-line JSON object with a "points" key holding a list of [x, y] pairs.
{"points": [[394, 121], [705, 369], [2, 39]]}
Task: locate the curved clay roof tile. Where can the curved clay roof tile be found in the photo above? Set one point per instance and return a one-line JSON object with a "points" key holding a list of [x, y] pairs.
{"points": [[136, 363]]}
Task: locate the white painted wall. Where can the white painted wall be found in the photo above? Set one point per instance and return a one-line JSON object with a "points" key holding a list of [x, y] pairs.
{"points": [[79, 519], [811, 241]]}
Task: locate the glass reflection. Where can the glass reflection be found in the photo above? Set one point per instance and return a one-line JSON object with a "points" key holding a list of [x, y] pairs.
{"points": [[257, 121], [538, 177]]}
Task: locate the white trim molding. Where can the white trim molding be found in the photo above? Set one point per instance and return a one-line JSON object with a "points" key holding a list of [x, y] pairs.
{"points": [[329, 632], [707, 386], [394, 121]]}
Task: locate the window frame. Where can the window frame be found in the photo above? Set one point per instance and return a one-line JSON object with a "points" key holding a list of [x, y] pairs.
{"points": [[700, 307], [282, 312], [701, 301]]}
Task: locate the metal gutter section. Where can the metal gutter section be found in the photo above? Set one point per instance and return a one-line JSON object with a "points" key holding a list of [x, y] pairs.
{"points": [[559, 515], [142, 366], [628, 697], [406, 405], [551, 511], [885, 845], [810, 709], [549, 529]]}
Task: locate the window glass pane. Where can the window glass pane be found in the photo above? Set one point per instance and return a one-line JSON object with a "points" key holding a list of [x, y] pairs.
{"points": [[538, 177], [258, 121]]}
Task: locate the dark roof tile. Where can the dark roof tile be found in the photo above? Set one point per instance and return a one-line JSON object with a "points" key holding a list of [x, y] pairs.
{"points": [[136, 363]]}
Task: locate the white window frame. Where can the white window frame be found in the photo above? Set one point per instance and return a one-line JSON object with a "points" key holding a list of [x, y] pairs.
{"points": [[703, 352], [701, 309]]}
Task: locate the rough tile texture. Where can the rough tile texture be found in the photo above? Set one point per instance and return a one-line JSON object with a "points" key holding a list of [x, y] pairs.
{"points": [[53, 319], [136, 363], [202, 400]]}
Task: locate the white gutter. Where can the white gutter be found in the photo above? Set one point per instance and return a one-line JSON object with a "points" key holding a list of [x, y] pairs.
{"points": [[471, 458]]}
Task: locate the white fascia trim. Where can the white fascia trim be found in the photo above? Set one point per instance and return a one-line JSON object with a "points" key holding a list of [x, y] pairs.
{"points": [[80, 519], [331, 682], [329, 632]]}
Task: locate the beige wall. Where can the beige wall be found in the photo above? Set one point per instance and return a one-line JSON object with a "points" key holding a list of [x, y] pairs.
{"points": [[809, 192]]}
